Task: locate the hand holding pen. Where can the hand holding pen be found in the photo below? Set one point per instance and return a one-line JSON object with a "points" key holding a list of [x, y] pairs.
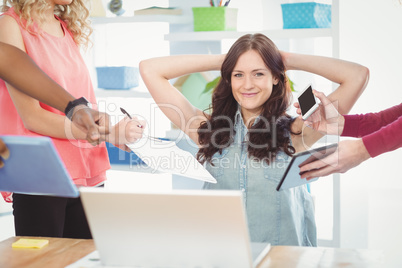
{"points": [[126, 131], [141, 125], [129, 116]]}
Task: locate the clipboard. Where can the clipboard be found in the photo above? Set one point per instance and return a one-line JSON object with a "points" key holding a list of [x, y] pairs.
{"points": [[164, 156], [291, 178], [34, 167]]}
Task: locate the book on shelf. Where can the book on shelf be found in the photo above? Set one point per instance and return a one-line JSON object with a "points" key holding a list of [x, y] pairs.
{"points": [[158, 11]]}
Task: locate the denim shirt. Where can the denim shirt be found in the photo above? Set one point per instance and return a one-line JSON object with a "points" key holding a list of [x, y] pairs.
{"points": [[280, 218]]}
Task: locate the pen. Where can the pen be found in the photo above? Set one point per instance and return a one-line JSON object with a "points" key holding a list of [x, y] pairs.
{"points": [[129, 116], [125, 112], [140, 126], [227, 3]]}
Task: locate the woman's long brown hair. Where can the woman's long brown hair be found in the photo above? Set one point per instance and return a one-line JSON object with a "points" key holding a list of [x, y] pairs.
{"points": [[269, 134]]}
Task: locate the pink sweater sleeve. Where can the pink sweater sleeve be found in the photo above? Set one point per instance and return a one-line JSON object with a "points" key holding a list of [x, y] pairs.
{"points": [[381, 132]]}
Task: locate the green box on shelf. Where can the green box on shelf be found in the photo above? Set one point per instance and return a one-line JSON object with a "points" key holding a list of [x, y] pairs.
{"points": [[215, 19]]}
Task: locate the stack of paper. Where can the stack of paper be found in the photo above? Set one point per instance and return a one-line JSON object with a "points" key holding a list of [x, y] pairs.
{"points": [[165, 156], [158, 11]]}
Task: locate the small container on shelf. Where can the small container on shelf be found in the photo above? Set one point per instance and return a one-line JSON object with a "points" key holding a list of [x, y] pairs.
{"points": [[306, 15], [121, 77], [215, 19]]}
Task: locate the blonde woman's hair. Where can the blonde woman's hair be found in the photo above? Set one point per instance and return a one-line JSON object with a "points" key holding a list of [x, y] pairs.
{"points": [[75, 15]]}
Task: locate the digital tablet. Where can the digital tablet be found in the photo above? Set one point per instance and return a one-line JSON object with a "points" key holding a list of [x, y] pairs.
{"points": [[35, 167], [292, 178]]}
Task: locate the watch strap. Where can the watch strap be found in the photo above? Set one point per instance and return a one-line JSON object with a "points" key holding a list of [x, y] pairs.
{"points": [[72, 104]]}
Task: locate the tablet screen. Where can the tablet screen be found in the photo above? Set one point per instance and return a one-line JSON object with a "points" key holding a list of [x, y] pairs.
{"points": [[291, 177], [35, 167]]}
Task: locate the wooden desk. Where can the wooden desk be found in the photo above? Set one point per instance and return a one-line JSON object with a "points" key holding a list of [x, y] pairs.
{"points": [[306, 257], [62, 251], [59, 253]]}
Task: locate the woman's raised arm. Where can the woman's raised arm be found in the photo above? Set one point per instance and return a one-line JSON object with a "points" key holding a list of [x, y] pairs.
{"points": [[157, 72], [351, 77]]}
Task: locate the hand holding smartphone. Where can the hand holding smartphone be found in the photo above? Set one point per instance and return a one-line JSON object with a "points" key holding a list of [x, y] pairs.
{"points": [[307, 102]]}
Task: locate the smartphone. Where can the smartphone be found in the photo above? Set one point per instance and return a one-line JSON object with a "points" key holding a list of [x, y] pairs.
{"points": [[307, 101]]}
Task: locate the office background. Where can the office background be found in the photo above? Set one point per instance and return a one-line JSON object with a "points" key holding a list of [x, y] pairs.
{"points": [[369, 210]]}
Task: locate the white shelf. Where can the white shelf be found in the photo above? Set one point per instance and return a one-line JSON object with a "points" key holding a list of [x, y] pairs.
{"points": [[121, 93], [173, 19], [273, 34]]}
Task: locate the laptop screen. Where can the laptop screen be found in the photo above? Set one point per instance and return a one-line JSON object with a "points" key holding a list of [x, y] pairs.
{"points": [[182, 228]]}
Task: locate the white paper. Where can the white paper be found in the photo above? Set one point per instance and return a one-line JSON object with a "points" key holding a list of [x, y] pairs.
{"points": [[92, 260], [165, 156]]}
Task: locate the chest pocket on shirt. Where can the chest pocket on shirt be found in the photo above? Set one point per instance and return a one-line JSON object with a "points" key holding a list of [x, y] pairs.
{"points": [[219, 163], [275, 170]]}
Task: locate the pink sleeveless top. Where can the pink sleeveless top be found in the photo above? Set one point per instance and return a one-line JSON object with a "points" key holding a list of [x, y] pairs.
{"points": [[60, 59]]}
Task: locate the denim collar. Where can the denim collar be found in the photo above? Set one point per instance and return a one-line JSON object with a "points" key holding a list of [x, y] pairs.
{"points": [[239, 118], [240, 128]]}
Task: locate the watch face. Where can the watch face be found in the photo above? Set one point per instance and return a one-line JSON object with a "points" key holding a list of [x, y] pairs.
{"points": [[82, 100], [87, 102]]}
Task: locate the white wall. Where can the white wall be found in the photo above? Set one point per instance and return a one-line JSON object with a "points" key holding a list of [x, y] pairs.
{"points": [[371, 194]]}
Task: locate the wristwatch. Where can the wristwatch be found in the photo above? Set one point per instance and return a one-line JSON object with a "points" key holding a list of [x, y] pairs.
{"points": [[72, 104]]}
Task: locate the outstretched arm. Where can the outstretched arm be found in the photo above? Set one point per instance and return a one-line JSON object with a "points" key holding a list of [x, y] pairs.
{"points": [[349, 154], [375, 140], [32, 81]]}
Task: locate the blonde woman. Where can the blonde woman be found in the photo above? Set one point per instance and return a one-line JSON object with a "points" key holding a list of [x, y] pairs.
{"points": [[51, 32]]}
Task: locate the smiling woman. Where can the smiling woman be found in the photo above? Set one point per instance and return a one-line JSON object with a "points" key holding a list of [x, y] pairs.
{"points": [[247, 140], [252, 84], [258, 87]]}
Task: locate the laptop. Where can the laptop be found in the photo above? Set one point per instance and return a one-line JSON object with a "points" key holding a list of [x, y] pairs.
{"points": [[179, 228], [35, 167]]}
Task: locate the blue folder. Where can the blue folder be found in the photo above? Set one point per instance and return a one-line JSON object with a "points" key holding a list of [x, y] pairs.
{"points": [[35, 167]]}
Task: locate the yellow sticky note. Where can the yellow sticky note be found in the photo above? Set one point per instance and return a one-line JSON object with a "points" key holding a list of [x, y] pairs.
{"points": [[30, 243]]}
